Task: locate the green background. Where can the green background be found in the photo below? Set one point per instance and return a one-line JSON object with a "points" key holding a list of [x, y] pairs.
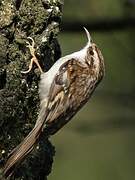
{"points": [[99, 142]]}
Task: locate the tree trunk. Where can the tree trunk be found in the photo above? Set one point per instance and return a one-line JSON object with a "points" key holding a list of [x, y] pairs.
{"points": [[19, 100]]}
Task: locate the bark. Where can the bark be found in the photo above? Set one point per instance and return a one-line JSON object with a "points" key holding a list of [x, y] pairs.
{"points": [[19, 100]]}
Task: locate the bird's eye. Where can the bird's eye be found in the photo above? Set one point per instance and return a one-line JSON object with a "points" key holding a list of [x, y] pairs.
{"points": [[91, 52]]}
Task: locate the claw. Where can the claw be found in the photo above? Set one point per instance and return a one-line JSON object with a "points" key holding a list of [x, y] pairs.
{"points": [[33, 59], [28, 44], [33, 43]]}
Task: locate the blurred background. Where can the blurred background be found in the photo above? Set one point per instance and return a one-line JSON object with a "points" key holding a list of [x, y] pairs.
{"points": [[99, 142]]}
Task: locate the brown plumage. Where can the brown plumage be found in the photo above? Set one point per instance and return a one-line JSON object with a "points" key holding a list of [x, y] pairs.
{"points": [[63, 90]]}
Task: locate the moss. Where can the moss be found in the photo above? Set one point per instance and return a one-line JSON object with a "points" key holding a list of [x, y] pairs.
{"points": [[3, 49], [32, 16], [19, 100], [7, 13]]}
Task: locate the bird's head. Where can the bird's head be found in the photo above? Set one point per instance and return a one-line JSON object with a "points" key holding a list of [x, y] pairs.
{"points": [[93, 54]]}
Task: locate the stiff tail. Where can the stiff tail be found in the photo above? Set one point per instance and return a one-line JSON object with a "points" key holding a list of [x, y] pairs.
{"points": [[24, 148]]}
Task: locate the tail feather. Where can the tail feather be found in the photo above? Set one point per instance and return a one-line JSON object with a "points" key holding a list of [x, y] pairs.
{"points": [[24, 148]]}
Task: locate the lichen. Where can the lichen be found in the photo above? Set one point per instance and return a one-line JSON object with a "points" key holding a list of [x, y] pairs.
{"points": [[7, 13], [19, 100]]}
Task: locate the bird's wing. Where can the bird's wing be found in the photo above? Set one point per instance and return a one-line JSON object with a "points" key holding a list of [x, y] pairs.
{"points": [[62, 92]]}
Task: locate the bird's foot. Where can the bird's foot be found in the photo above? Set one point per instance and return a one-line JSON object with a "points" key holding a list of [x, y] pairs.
{"points": [[33, 59]]}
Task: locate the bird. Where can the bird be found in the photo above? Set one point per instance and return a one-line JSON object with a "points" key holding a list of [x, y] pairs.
{"points": [[63, 91]]}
